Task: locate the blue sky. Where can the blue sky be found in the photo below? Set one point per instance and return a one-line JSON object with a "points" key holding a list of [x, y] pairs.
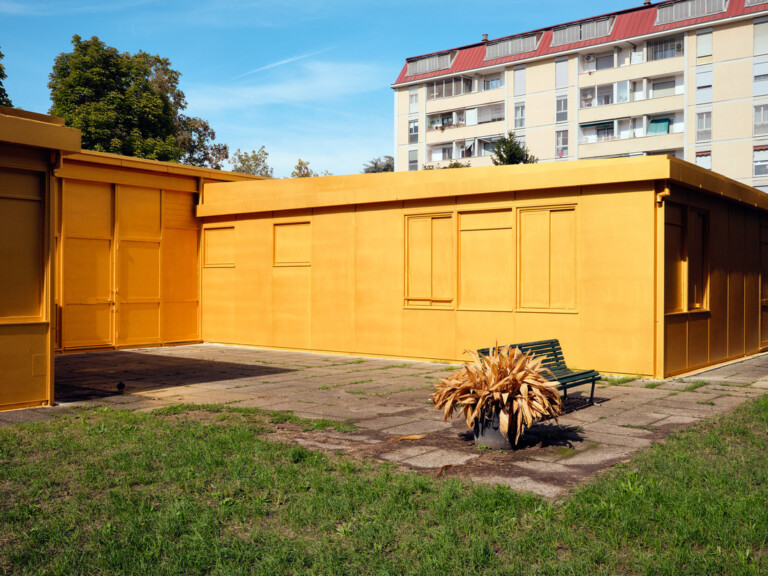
{"points": [[305, 78]]}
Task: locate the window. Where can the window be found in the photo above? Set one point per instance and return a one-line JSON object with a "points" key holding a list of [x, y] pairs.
{"points": [[487, 145], [760, 161], [448, 87], [582, 31], [519, 72], [685, 9], [667, 47], [605, 95], [413, 131], [761, 120], [686, 270], [561, 73], [492, 113], [704, 47], [561, 108], [760, 84], [659, 126], [587, 97], [704, 159], [755, 2], [413, 160], [703, 86], [483, 287], [703, 126], [662, 88], [520, 115], [429, 260], [429, 64], [761, 37], [561, 144], [510, 47], [547, 258], [604, 61], [492, 82], [413, 99]]}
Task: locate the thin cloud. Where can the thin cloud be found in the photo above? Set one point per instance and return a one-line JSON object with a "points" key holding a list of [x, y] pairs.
{"points": [[62, 8], [281, 63], [312, 82]]}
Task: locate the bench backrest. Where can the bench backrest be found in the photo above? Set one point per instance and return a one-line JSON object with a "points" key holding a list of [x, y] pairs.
{"points": [[549, 349]]}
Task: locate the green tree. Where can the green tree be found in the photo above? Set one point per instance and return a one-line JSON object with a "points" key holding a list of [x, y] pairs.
{"points": [[385, 164], [253, 162], [508, 150], [4, 100], [129, 104], [302, 170]]}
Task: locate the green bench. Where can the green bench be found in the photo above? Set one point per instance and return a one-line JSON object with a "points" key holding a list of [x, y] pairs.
{"points": [[554, 360]]}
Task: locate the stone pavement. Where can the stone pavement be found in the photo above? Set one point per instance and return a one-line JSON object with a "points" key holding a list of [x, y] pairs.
{"points": [[389, 402]]}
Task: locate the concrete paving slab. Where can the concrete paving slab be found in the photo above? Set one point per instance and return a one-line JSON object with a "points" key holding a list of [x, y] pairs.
{"points": [[439, 458], [417, 427], [522, 484]]}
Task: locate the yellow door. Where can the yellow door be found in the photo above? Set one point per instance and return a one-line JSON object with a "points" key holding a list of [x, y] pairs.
{"points": [[138, 265], [87, 290]]}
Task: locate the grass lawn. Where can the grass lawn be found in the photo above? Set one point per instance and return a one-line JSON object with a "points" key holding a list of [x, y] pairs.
{"points": [[204, 491]]}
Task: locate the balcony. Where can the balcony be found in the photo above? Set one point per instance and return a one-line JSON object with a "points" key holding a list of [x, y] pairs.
{"points": [[611, 146]]}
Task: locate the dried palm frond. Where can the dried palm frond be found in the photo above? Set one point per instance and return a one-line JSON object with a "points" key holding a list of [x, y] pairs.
{"points": [[507, 381]]}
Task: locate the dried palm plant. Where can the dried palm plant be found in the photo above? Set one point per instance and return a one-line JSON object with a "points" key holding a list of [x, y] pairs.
{"points": [[507, 381]]}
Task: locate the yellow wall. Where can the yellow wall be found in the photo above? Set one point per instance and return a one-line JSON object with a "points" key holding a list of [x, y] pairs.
{"points": [[28, 147], [431, 277], [127, 247]]}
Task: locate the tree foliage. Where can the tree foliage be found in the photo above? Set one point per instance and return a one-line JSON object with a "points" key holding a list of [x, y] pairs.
{"points": [[129, 104], [385, 164], [508, 150], [4, 100], [253, 162], [302, 170]]}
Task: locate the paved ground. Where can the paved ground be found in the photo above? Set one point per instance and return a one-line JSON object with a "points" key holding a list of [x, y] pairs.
{"points": [[389, 401]]}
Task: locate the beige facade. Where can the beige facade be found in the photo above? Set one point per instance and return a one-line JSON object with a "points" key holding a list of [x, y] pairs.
{"points": [[693, 88]]}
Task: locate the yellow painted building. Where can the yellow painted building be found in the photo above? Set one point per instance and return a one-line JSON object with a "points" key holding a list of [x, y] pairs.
{"points": [[687, 78], [640, 266]]}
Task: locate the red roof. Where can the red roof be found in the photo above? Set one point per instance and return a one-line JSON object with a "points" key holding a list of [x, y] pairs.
{"points": [[630, 23]]}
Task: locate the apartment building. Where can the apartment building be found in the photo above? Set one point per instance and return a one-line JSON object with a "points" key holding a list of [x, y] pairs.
{"points": [[688, 78]]}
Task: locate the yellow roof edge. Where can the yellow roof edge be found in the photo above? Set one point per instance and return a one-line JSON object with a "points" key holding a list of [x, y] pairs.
{"points": [[37, 130], [290, 194], [157, 165]]}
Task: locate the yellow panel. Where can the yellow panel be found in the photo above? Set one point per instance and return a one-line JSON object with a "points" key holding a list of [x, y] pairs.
{"points": [[139, 212], [180, 322], [21, 184], [698, 341], [486, 269], [485, 220], [675, 344], [443, 259], [482, 329], [379, 280], [429, 333], [87, 325], [293, 243], [562, 260], [253, 282], [674, 259], [736, 344], [419, 258], [180, 264], [87, 209], [21, 381], [219, 247], [87, 271], [138, 324], [534, 259], [333, 280], [218, 305], [179, 210], [291, 304], [138, 271], [21, 255]]}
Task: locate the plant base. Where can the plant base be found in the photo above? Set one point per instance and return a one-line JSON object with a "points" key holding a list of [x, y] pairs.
{"points": [[487, 433]]}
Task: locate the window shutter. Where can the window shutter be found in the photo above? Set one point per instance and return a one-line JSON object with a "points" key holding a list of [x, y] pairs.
{"points": [[704, 45], [760, 85], [561, 73], [519, 80], [761, 38]]}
